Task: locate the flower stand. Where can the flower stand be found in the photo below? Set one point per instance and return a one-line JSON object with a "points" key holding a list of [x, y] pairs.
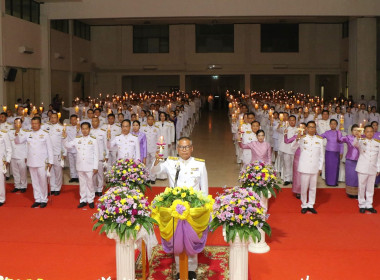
{"points": [[125, 257], [239, 259], [260, 247]]}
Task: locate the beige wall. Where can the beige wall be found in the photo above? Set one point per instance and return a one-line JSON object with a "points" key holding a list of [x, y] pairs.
{"points": [[210, 8], [320, 52], [59, 44]]}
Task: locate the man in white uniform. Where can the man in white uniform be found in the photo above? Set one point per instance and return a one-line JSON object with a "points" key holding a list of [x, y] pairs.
{"points": [[55, 130], [114, 129], [40, 154], [6, 155], [87, 163], [126, 144], [184, 171], [310, 164], [152, 133], [18, 161], [72, 131], [368, 168]]}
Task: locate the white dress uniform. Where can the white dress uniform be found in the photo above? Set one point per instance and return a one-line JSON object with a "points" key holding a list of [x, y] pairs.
{"points": [[72, 132], [56, 172], [6, 126], [152, 136], [192, 173], [18, 161], [373, 117], [362, 116], [40, 152], [287, 152], [127, 146], [246, 155], [87, 162], [5, 155], [101, 138], [348, 121], [367, 167], [112, 152], [310, 162]]}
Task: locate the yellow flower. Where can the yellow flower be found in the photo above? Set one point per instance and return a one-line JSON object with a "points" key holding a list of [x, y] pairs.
{"points": [[124, 171], [183, 207], [175, 192], [264, 170], [191, 191], [257, 168], [240, 216], [167, 190], [258, 177], [255, 223], [137, 227], [129, 223], [123, 201], [183, 195]]}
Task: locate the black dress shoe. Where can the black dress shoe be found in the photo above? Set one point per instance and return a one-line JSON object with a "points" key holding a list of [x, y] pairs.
{"points": [[6, 178], [43, 205], [372, 210], [82, 204], [362, 210], [22, 190], [91, 205], [312, 210], [177, 276], [286, 183], [153, 182], [35, 204], [77, 180], [57, 192], [303, 210], [72, 180], [376, 186], [98, 193], [192, 275], [52, 193], [15, 190], [352, 196], [298, 196], [1, 204]]}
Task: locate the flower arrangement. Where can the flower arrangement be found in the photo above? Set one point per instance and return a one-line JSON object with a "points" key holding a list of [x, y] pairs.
{"points": [[261, 178], [128, 173], [123, 211], [240, 211]]}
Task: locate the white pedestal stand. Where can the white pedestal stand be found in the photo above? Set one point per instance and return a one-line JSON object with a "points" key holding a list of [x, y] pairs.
{"points": [[238, 262], [260, 247], [125, 257]]}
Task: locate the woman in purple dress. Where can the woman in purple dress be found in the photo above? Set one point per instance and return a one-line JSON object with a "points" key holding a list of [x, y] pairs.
{"points": [[351, 161], [142, 140], [333, 154]]}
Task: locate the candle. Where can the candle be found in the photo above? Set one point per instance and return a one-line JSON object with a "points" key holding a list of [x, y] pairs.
{"points": [[306, 110], [25, 111], [256, 106], [161, 139], [96, 105], [109, 111], [16, 106], [109, 127], [281, 116], [34, 110], [137, 116], [76, 109], [286, 124], [4, 108], [230, 105], [59, 115], [64, 127], [41, 109], [341, 122], [265, 106]]}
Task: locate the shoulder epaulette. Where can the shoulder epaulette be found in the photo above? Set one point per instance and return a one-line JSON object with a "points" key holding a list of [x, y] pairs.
{"points": [[15, 129], [144, 125], [361, 138], [377, 140], [9, 123], [135, 135], [103, 129], [199, 159], [117, 124], [46, 131], [173, 158], [92, 136], [156, 126], [4, 131], [118, 134], [320, 137], [248, 131], [79, 136], [26, 130]]}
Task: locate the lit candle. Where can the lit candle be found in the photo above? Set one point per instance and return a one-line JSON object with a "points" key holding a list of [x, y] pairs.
{"points": [[64, 127], [41, 109], [341, 122], [76, 109], [25, 111], [256, 106], [265, 107], [230, 105], [137, 116], [16, 106], [96, 105], [109, 127], [161, 139], [4, 108], [286, 124], [109, 111], [34, 110], [59, 115], [281, 116]]}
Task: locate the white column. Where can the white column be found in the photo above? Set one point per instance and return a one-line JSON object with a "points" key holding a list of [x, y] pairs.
{"points": [[247, 83], [362, 58], [238, 259], [45, 73], [312, 84], [3, 99], [182, 82], [125, 257]]}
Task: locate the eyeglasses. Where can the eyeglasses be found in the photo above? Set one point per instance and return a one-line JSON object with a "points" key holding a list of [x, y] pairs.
{"points": [[185, 148]]}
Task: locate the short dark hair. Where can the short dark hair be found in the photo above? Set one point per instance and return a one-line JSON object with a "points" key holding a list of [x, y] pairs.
{"points": [[256, 122], [73, 116], [90, 110], [4, 114], [333, 120], [136, 121], [126, 120], [36, 119], [259, 131], [18, 119], [293, 116], [368, 126], [311, 122], [325, 111], [111, 115], [85, 123], [374, 122], [354, 126]]}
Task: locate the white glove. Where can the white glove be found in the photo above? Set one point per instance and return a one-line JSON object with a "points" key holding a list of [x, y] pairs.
{"points": [[4, 168], [62, 163], [48, 173]]}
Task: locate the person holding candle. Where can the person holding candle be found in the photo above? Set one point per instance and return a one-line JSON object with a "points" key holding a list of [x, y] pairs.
{"points": [[247, 135], [287, 152], [97, 113], [55, 130], [152, 133], [349, 118], [71, 109], [362, 115], [310, 164], [87, 163], [101, 137], [114, 129], [260, 150], [19, 155], [333, 154], [351, 176], [142, 140], [40, 154], [373, 116], [4, 125], [72, 131], [368, 167]]}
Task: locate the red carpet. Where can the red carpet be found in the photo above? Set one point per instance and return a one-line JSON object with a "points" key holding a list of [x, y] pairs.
{"points": [[57, 242]]}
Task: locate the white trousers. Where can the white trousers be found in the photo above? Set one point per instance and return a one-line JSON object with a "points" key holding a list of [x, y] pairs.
{"points": [[39, 183], [72, 157], [86, 186], [288, 167], [19, 173], [98, 178], [112, 157], [366, 189], [192, 264], [246, 156], [2, 187], [150, 159], [56, 174], [308, 182]]}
